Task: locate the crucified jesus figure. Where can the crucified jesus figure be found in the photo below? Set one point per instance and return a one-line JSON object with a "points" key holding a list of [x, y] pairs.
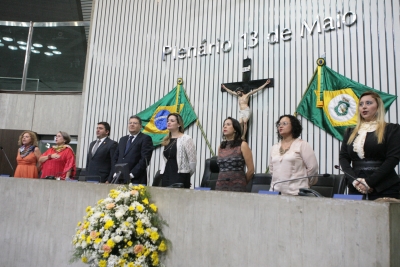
{"points": [[243, 100]]}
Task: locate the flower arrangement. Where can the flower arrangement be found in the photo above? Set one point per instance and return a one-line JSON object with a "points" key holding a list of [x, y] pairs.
{"points": [[122, 230]]}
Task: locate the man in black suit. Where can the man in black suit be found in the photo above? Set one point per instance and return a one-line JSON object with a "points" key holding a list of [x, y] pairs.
{"points": [[101, 152], [136, 150]]}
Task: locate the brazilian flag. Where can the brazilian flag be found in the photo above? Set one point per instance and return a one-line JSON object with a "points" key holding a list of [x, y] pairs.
{"points": [[331, 100], [154, 118]]}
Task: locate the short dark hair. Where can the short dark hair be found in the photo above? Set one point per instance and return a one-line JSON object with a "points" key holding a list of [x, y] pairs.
{"points": [[296, 126], [136, 117], [106, 126]]}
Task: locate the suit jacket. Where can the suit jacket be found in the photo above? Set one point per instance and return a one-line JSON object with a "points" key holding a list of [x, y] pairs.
{"points": [[138, 157], [100, 163]]}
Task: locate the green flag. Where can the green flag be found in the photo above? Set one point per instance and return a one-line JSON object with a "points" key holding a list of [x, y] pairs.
{"points": [[155, 117], [331, 100]]}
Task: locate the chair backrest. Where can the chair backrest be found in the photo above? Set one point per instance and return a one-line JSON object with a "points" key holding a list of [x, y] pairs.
{"points": [[328, 186], [261, 181], [210, 175]]}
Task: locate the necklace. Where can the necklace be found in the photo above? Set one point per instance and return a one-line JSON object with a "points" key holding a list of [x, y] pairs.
{"points": [[169, 146], [283, 151]]}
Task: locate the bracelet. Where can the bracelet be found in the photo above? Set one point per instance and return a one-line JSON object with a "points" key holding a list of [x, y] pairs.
{"points": [[49, 157]]}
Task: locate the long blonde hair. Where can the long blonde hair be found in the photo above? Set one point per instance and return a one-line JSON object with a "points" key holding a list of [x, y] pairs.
{"points": [[379, 115], [167, 138]]}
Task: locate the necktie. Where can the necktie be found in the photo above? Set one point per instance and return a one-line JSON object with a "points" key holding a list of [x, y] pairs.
{"points": [[96, 146], [128, 144]]}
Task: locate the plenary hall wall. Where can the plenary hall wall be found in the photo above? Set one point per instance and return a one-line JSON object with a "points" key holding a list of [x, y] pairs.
{"points": [[128, 68]]}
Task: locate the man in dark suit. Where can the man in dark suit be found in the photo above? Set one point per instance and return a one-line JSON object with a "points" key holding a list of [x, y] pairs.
{"points": [[134, 149], [101, 152]]}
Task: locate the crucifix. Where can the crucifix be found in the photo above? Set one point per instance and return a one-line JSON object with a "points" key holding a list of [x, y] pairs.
{"points": [[243, 90]]}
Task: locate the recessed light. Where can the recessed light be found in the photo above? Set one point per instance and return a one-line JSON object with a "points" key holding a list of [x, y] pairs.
{"points": [[35, 51], [12, 47], [48, 53], [57, 52], [21, 42], [37, 45], [51, 47], [8, 39], [22, 47], [1, 44]]}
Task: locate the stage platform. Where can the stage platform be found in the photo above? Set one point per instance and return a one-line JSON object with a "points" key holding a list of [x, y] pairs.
{"points": [[206, 228]]}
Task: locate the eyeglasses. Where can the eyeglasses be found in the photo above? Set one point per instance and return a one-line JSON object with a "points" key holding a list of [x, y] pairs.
{"points": [[282, 123]]}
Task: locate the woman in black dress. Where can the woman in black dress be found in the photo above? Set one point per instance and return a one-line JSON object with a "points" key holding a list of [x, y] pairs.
{"points": [[373, 149], [179, 154]]}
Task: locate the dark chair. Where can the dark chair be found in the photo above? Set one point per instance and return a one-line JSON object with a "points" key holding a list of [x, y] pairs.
{"points": [[211, 171], [328, 186], [261, 181], [157, 180]]}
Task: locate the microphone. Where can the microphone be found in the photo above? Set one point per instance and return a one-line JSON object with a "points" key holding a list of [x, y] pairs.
{"points": [[354, 179], [9, 163], [305, 177]]}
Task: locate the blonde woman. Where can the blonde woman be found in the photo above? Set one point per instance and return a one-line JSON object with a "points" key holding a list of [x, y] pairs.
{"points": [[179, 154], [373, 150]]}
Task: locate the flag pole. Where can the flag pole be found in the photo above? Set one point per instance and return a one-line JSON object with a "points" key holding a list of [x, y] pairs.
{"points": [[180, 81]]}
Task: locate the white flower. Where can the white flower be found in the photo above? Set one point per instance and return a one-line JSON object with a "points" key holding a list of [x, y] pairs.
{"points": [[117, 238], [119, 213], [84, 245]]}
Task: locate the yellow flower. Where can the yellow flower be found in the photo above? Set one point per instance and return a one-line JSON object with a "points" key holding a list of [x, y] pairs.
{"points": [[154, 236], [106, 254], [83, 237], [111, 243], [145, 201], [102, 214], [79, 224], [127, 223], [86, 225], [154, 257], [121, 262], [148, 230], [130, 243], [140, 231], [130, 264], [102, 263], [162, 246], [139, 223], [141, 186], [84, 259], [139, 208], [97, 241], [147, 252], [126, 255], [153, 207], [100, 201], [108, 224], [131, 208], [88, 208], [88, 240]]}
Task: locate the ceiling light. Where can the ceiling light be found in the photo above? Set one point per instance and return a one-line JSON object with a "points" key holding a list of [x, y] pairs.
{"points": [[8, 39], [48, 53], [35, 51], [37, 45], [22, 47], [57, 52], [51, 47], [12, 47], [21, 42], [1, 44]]}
